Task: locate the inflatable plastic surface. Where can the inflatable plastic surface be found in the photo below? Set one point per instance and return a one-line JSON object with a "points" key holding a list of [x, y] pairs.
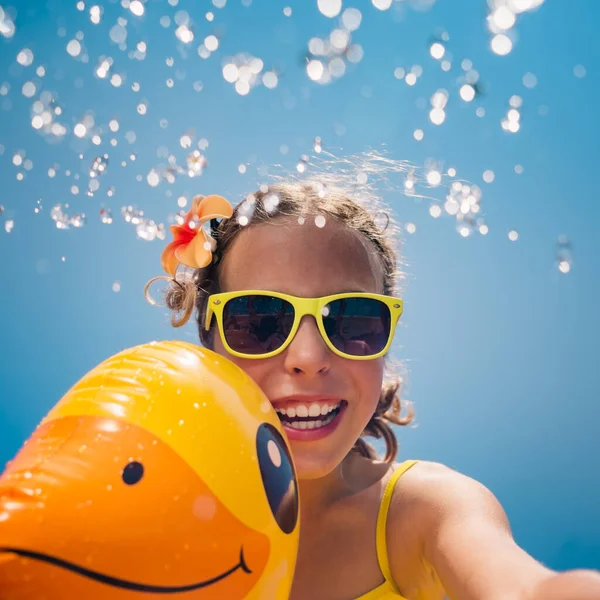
{"points": [[163, 472]]}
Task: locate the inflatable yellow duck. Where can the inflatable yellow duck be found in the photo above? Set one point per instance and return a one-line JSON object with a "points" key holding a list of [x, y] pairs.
{"points": [[164, 472]]}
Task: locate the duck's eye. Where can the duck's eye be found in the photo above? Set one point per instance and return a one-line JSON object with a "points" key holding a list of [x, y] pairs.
{"points": [[132, 472], [279, 478]]}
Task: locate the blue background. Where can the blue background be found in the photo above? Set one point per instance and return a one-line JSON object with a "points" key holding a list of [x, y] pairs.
{"points": [[501, 348]]}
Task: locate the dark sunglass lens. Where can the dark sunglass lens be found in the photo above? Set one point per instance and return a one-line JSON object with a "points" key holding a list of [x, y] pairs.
{"points": [[358, 326], [256, 324]]}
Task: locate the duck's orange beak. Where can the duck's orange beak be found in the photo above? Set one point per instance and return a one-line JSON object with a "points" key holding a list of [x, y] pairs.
{"points": [[95, 508]]}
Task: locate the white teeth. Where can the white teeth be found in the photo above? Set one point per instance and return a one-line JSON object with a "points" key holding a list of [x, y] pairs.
{"points": [[324, 412], [314, 410], [301, 411], [310, 424]]}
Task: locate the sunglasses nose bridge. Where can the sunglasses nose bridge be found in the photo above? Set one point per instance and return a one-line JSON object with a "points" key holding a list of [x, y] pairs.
{"points": [[307, 307]]}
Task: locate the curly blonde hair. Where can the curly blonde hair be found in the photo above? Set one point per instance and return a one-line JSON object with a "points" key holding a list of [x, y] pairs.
{"points": [[189, 291]]}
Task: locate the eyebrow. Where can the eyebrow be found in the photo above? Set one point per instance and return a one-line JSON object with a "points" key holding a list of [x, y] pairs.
{"points": [[359, 290], [344, 290]]}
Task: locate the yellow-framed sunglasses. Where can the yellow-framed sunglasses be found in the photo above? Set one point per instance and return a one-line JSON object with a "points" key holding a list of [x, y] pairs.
{"points": [[261, 324]]}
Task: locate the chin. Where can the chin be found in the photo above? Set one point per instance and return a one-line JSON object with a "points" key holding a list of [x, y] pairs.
{"points": [[311, 464]]}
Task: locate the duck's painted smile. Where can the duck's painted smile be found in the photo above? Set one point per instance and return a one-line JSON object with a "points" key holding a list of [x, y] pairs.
{"points": [[123, 583]]}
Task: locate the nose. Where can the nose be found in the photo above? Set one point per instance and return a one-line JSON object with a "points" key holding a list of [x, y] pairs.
{"points": [[308, 353]]}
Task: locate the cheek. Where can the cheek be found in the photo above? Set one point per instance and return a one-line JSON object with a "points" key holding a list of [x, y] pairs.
{"points": [[368, 377]]}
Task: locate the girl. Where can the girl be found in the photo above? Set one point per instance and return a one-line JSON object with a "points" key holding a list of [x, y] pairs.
{"points": [[297, 287]]}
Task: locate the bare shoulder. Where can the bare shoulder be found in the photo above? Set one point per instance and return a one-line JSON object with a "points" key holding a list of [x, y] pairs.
{"points": [[433, 489], [430, 491], [459, 535]]}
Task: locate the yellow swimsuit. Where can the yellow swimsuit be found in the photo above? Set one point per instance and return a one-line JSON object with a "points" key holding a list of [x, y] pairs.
{"points": [[387, 590]]}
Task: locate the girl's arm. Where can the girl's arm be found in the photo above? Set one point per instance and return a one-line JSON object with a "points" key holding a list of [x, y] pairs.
{"points": [[466, 538]]}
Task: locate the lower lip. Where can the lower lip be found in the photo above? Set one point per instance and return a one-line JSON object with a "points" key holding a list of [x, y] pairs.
{"points": [[311, 435]]}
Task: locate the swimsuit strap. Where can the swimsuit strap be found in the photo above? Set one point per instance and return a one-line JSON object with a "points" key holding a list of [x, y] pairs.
{"points": [[382, 554]]}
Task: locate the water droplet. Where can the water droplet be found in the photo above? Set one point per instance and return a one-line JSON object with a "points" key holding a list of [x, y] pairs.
{"points": [[382, 4], [329, 8], [25, 57], [515, 101], [489, 176], [196, 163], [271, 202], [564, 256], [503, 18], [74, 48], [437, 116], [315, 70], [464, 230], [434, 177], [211, 43], [95, 14], [99, 165], [184, 34], [270, 80], [564, 266], [148, 230], [137, 8], [153, 178], [529, 80], [63, 221], [118, 34], [435, 211], [301, 166], [106, 217], [467, 92], [362, 178], [437, 50], [501, 44]]}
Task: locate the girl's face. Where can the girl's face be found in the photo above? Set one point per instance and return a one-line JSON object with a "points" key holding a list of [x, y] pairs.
{"points": [[308, 261]]}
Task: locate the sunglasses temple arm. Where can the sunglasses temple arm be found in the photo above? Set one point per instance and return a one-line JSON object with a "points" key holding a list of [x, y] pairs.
{"points": [[208, 317]]}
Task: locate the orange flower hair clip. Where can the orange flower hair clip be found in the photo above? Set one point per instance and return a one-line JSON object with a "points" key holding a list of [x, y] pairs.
{"points": [[192, 245]]}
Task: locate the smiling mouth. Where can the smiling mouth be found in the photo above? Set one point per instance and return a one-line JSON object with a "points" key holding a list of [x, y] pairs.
{"points": [[123, 583]]}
